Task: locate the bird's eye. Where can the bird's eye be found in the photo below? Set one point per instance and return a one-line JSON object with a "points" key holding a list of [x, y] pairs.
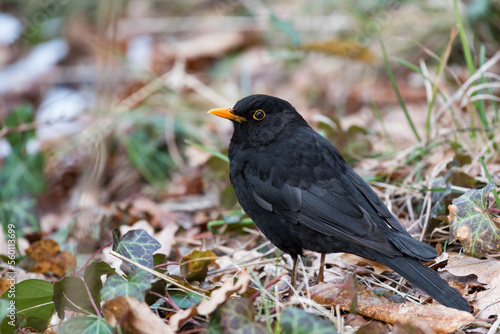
{"points": [[259, 115]]}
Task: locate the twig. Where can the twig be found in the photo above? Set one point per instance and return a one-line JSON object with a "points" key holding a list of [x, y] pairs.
{"points": [[225, 249], [157, 274]]}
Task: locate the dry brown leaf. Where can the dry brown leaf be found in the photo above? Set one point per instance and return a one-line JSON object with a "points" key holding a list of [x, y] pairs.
{"points": [[190, 182], [359, 261], [355, 320], [373, 327], [400, 328], [194, 266], [166, 237], [487, 272], [217, 297], [344, 48], [212, 44], [144, 207], [440, 319], [49, 258], [134, 316], [4, 285]]}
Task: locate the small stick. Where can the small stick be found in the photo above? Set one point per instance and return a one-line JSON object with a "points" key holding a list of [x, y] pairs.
{"points": [[157, 274]]}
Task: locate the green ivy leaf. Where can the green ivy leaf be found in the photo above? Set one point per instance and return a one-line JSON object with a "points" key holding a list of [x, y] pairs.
{"points": [[214, 325], [138, 246], [238, 316], [184, 299], [298, 321], [92, 277], [159, 287], [136, 286], [472, 225], [4, 304], [5, 327], [34, 304], [461, 179], [86, 325], [159, 259], [70, 293]]}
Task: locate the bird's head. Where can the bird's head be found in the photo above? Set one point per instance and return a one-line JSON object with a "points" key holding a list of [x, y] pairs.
{"points": [[259, 118]]}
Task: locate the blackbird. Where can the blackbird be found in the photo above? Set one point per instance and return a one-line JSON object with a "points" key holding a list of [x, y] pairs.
{"points": [[301, 193]]}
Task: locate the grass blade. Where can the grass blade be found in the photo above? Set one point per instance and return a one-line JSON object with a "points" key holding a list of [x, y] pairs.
{"points": [[463, 39], [439, 72], [398, 94], [482, 60], [468, 59]]}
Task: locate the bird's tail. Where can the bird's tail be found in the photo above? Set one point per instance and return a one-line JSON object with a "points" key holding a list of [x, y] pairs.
{"points": [[428, 280]]}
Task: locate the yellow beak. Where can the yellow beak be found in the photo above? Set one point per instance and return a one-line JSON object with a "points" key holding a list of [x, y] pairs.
{"points": [[226, 113]]}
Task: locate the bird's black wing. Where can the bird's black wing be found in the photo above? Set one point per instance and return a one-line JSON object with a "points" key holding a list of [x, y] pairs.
{"points": [[398, 235], [313, 186], [334, 214]]}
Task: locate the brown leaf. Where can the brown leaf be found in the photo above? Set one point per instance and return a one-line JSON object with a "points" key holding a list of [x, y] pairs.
{"points": [[355, 320], [400, 328], [219, 296], [49, 258], [166, 237], [203, 45], [190, 182], [195, 265], [488, 273], [359, 261], [145, 208], [4, 285], [134, 316], [439, 318], [373, 327], [343, 48]]}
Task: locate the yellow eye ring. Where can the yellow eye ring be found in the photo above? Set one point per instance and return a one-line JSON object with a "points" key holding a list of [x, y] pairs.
{"points": [[259, 115]]}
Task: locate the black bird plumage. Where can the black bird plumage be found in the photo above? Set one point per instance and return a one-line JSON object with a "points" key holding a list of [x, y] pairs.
{"points": [[301, 193]]}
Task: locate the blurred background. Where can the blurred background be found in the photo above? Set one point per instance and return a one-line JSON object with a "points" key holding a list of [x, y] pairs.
{"points": [[103, 103]]}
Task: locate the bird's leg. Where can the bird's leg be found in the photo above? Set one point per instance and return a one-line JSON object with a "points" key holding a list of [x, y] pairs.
{"points": [[321, 273], [294, 275]]}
